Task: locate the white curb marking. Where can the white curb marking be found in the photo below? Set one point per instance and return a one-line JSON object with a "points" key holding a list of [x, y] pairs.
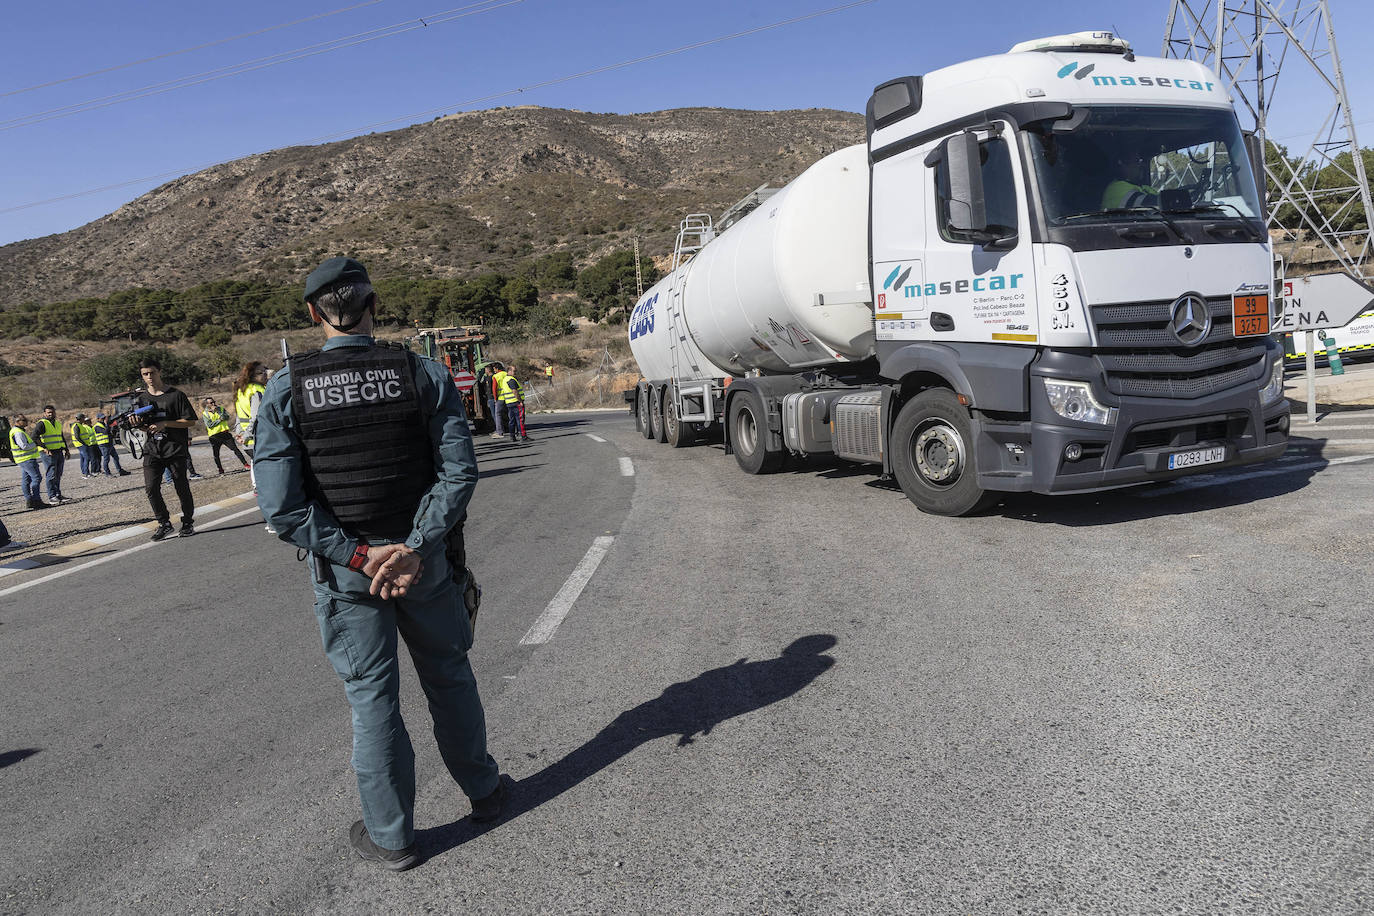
{"points": [[117, 555], [627, 467], [594, 437]]}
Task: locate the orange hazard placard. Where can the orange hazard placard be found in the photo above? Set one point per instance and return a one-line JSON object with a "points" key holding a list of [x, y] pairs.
{"points": [[1250, 314]]}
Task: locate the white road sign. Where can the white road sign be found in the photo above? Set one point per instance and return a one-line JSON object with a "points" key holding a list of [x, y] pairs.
{"points": [[1323, 301]]}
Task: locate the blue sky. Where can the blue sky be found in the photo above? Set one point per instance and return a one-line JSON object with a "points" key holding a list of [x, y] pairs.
{"points": [[832, 61]]}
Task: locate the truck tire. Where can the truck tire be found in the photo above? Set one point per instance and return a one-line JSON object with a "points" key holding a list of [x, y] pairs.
{"points": [[636, 408], [676, 433], [749, 435], [933, 457], [645, 425], [656, 414]]}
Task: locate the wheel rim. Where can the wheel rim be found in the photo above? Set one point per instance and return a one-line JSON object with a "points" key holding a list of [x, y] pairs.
{"points": [[939, 453], [746, 431], [670, 415]]}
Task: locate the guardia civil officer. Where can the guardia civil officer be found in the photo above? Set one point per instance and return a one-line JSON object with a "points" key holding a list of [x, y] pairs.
{"points": [[364, 459]]}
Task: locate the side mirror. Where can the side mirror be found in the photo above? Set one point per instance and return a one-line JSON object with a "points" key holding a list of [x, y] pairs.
{"points": [[1255, 149], [967, 207]]}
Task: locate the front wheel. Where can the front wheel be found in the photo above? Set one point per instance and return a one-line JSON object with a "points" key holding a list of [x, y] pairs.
{"points": [[749, 435], [932, 455]]}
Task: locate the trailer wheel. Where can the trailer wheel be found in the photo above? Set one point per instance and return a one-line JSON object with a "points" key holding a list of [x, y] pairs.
{"points": [[636, 408], [676, 433], [646, 425], [932, 455], [656, 414], [749, 435]]}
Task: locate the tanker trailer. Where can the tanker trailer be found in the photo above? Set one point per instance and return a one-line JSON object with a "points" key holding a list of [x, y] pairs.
{"points": [[1044, 271]]}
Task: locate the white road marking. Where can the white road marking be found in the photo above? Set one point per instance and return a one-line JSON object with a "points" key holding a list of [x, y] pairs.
{"points": [[627, 467], [117, 555], [1333, 442], [562, 603], [1208, 480], [594, 437], [1332, 427]]}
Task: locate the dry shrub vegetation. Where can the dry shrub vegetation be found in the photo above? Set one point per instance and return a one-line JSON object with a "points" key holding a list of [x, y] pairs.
{"points": [[591, 366]]}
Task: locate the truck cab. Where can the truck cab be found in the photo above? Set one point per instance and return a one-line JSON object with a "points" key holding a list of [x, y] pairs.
{"points": [[1070, 242]]}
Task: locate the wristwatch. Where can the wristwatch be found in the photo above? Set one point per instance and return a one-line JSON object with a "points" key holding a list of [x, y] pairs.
{"points": [[359, 558]]}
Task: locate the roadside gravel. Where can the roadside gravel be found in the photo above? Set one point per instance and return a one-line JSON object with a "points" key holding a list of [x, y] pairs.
{"points": [[102, 504]]}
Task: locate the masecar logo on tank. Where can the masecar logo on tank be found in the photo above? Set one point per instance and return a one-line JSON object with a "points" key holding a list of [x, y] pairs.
{"points": [[642, 318]]}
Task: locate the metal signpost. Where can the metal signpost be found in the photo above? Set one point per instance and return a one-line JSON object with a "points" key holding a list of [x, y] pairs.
{"points": [[1321, 301]]}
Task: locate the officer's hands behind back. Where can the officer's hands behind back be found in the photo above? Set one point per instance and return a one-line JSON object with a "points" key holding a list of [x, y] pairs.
{"points": [[393, 568]]}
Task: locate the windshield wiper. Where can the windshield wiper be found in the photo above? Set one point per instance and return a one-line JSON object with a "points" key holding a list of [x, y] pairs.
{"points": [[1144, 212], [1221, 205]]}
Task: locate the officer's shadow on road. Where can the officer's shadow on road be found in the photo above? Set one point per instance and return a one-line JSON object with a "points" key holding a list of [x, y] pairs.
{"points": [[688, 709], [10, 758], [484, 473]]}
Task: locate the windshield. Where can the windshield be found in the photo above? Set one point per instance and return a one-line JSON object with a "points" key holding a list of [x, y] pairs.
{"points": [[1124, 162]]}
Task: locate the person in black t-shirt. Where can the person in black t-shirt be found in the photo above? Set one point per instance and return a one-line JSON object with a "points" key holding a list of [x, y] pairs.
{"points": [[168, 426]]}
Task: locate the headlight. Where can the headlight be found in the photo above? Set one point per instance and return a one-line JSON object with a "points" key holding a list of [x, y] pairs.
{"points": [[1274, 390], [1075, 401]]}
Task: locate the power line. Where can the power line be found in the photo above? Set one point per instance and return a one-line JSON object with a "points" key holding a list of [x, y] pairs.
{"points": [[457, 106], [260, 63], [199, 47]]}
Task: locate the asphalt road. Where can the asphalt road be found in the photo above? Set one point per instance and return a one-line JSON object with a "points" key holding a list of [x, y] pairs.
{"points": [[778, 694]]}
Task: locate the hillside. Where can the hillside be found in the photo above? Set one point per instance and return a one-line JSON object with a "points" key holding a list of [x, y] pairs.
{"points": [[464, 193]]}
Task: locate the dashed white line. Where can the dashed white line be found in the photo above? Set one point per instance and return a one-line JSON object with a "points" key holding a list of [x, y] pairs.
{"points": [[562, 603], [594, 437], [627, 467]]}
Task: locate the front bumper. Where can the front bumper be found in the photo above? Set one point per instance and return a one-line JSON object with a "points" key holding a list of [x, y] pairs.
{"points": [[1031, 455]]}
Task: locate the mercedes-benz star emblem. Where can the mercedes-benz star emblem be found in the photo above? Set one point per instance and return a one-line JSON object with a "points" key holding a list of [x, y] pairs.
{"points": [[1190, 319]]}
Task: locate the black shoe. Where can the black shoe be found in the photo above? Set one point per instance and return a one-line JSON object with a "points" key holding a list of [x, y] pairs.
{"points": [[524, 438], [124, 473], [187, 530], [486, 810], [162, 531], [37, 504], [394, 859]]}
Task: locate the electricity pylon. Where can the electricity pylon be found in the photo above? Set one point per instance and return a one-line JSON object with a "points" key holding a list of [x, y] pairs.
{"points": [[1249, 44]]}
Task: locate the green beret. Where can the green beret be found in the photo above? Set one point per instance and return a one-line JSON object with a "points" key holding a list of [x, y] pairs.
{"points": [[332, 273]]}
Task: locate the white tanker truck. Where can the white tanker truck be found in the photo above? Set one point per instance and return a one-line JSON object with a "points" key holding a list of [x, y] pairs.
{"points": [[1045, 271]]}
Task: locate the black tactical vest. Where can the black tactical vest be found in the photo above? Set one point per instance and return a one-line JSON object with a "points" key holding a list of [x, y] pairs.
{"points": [[369, 458]]}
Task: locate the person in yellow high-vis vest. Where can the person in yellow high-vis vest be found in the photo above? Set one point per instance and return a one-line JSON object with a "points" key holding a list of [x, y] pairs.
{"points": [[247, 396], [104, 441], [25, 452], [511, 396], [52, 446], [217, 422], [83, 437]]}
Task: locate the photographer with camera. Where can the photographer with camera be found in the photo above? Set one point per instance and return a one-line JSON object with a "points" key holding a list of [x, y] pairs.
{"points": [[168, 425]]}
